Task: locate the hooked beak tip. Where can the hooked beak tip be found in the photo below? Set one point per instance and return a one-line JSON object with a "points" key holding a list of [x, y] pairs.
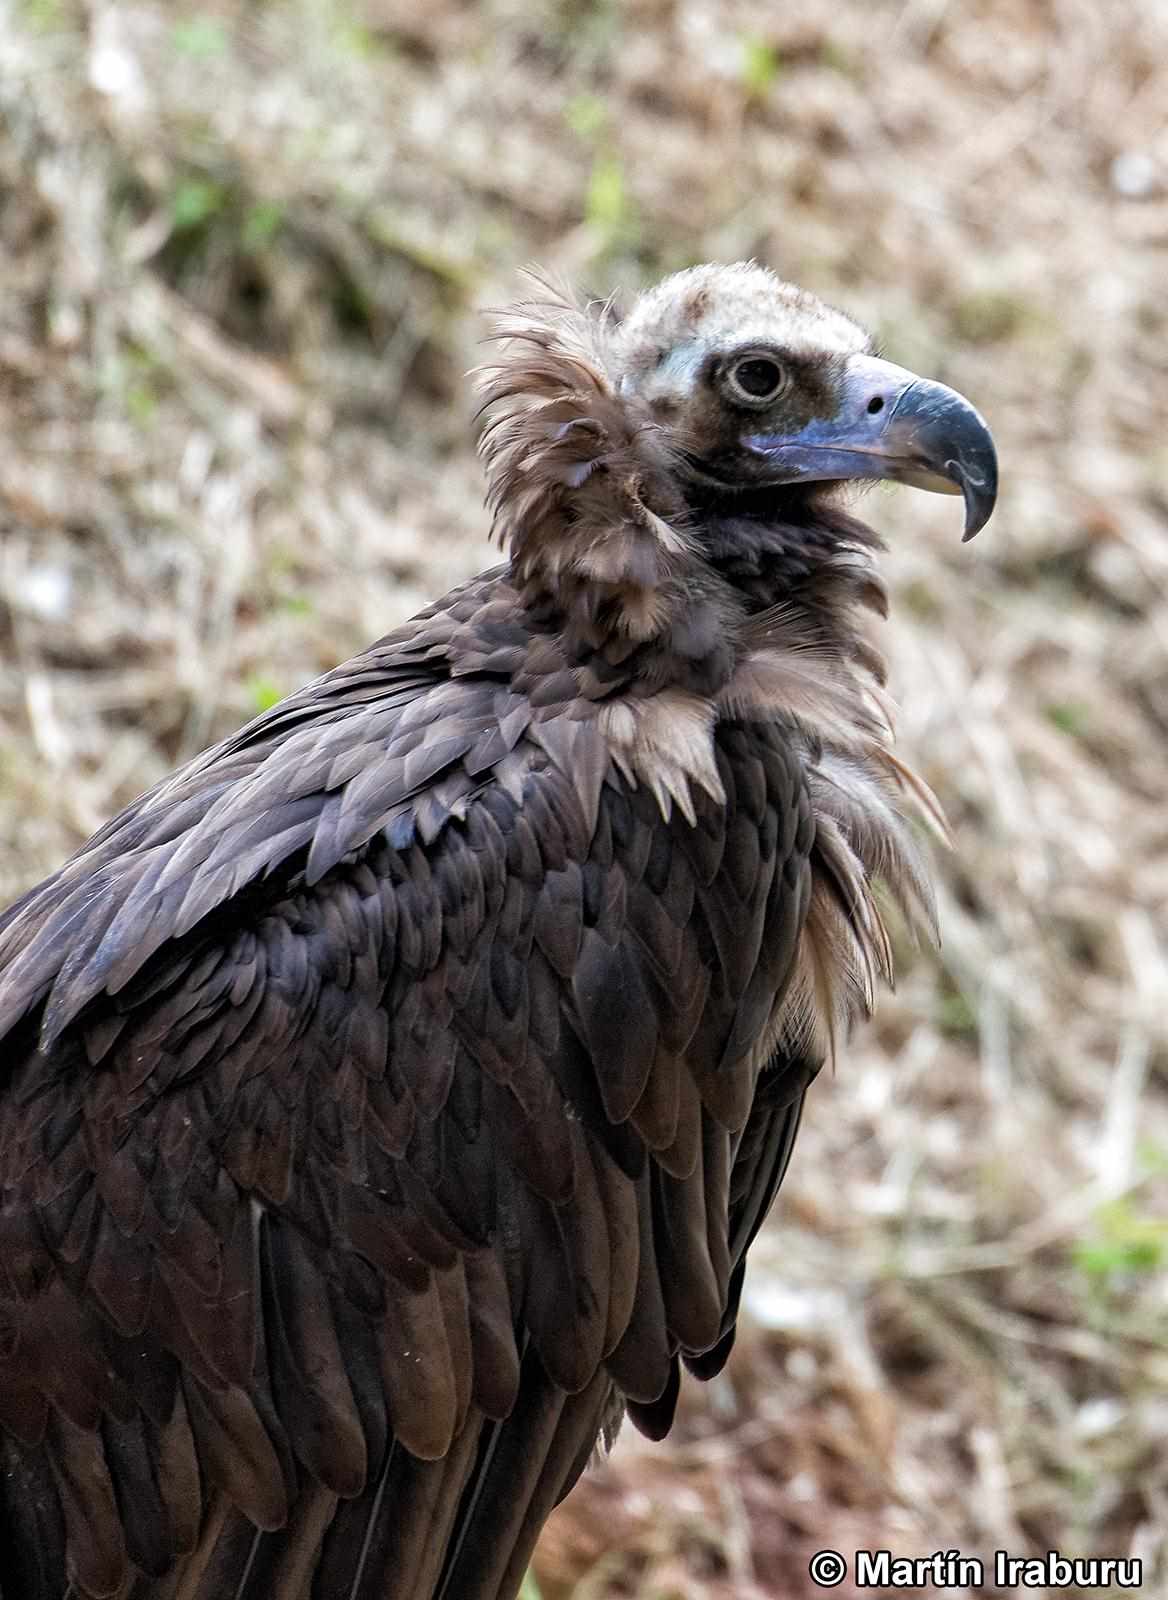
{"points": [[979, 494], [940, 430]]}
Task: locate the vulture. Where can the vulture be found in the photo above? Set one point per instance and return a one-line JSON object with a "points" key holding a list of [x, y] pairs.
{"points": [[390, 1097]]}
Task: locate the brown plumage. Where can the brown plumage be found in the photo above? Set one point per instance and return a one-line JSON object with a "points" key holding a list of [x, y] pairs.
{"points": [[390, 1097]]}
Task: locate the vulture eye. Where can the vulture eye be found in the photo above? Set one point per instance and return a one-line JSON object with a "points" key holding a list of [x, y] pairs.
{"points": [[756, 380]]}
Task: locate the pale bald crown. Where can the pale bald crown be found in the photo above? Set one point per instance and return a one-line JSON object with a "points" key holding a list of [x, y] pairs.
{"points": [[660, 348]]}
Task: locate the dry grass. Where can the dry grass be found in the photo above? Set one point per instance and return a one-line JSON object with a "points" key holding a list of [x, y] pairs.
{"points": [[241, 250]]}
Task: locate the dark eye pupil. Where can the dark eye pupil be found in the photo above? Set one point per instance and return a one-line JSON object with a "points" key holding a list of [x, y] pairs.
{"points": [[758, 377]]}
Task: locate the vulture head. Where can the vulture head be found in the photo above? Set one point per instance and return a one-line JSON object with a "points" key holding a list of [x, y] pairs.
{"points": [[760, 385], [612, 443]]}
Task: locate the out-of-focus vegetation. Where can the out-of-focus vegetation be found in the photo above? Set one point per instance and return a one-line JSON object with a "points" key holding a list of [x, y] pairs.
{"points": [[242, 247]]}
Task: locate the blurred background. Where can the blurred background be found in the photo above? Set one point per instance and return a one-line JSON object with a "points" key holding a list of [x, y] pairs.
{"points": [[242, 253]]}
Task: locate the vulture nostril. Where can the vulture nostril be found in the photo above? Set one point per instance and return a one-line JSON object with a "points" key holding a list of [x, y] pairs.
{"points": [[876, 404]]}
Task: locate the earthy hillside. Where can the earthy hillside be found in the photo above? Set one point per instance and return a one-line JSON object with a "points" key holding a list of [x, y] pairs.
{"points": [[242, 252]]}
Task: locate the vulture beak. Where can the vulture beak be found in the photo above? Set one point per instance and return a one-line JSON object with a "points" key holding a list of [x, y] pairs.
{"points": [[892, 424]]}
